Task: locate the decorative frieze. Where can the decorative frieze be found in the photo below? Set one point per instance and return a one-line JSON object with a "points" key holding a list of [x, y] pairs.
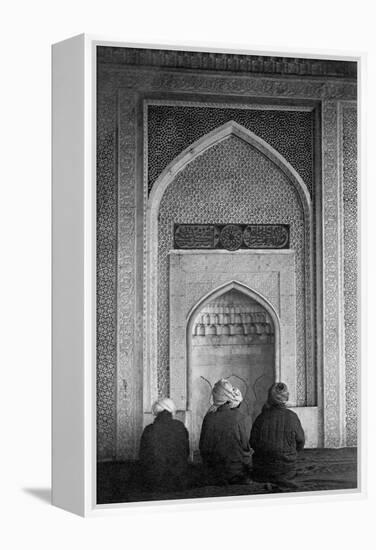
{"points": [[201, 236], [231, 236], [217, 61], [142, 78]]}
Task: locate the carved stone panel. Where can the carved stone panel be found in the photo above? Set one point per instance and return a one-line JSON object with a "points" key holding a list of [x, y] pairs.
{"points": [[231, 236], [350, 265], [333, 356]]}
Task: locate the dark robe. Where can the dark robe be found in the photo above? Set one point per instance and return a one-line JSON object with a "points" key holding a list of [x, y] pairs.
{"points": [[164, 451], [224, 444], [276, 438]]}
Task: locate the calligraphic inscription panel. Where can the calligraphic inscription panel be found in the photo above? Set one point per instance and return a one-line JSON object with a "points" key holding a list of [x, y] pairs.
{"points": [[231, 236]]}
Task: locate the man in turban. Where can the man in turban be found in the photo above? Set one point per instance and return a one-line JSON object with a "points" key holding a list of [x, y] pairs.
{"points": [[224, 439], [164, 449], [276, 438]]}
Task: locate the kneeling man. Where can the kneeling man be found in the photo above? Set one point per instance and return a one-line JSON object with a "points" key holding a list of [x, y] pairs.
{"points": [[164, 450], [276, 438], [224, 439]]}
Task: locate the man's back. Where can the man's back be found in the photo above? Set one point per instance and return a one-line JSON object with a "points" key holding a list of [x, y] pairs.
{"points": [[277, 431], [164, 451], [276, 437], [224, 440]]}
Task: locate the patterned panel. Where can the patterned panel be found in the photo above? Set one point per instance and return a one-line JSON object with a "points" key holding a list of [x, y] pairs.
{"points": [[332, 368], [129, 380], [171, 129], [230, 183], [350, 198], [106, 277]]}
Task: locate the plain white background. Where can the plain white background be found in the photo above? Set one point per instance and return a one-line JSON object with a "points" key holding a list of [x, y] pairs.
{"points": [[27, 31]]}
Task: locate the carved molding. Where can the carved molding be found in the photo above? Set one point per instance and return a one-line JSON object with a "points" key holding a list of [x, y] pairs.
{"points": [[234, 62], [333, 356], [138, 78]]}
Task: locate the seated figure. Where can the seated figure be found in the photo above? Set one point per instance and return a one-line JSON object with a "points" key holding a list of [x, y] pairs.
{"points": [[224, 439], [276, 438], [164, 450]]}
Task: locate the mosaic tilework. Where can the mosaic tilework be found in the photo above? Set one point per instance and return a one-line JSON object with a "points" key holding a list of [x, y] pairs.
{"points": [[350, 197], [171, 129], [230, 183], [106, 278]]}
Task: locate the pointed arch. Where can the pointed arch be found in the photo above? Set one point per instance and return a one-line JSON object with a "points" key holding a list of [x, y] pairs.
{"points": [[151, 212], [214, 137], [216, 293]]}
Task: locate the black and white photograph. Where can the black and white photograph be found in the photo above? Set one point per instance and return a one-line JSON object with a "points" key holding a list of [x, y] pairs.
{"points": [[227, 274], [188, 257]]}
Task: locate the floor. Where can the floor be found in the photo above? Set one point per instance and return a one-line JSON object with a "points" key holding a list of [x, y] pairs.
{"points": [[318, 470]]}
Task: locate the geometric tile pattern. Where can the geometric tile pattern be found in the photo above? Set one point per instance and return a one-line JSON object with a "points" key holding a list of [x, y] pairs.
{"points": [[106, 279], [171, 129]]}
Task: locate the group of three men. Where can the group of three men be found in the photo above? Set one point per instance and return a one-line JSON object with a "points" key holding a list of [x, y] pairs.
{"points": [[232, 449]]}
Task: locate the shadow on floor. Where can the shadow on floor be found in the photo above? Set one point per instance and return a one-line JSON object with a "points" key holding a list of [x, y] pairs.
{"points": [[317, 470], [40, 493]]}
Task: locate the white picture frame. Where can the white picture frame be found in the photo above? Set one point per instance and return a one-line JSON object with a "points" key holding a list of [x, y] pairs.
{"points": [[74, 281]]}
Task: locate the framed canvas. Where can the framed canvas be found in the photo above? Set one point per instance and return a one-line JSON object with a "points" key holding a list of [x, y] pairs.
{"points": [[205, 275]]}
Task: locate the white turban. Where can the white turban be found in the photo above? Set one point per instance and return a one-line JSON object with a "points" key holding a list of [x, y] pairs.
{"points": [[278, 394], [224, 392], [164, 404]]}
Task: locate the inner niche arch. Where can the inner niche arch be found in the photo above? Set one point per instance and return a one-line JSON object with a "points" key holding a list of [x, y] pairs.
{"points": [[151, 234], [217, 293], [233, 332]]}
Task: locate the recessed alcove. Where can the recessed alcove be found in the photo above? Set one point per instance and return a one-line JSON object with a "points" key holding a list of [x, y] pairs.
{"points": [[264, 281], [232, 337]]}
